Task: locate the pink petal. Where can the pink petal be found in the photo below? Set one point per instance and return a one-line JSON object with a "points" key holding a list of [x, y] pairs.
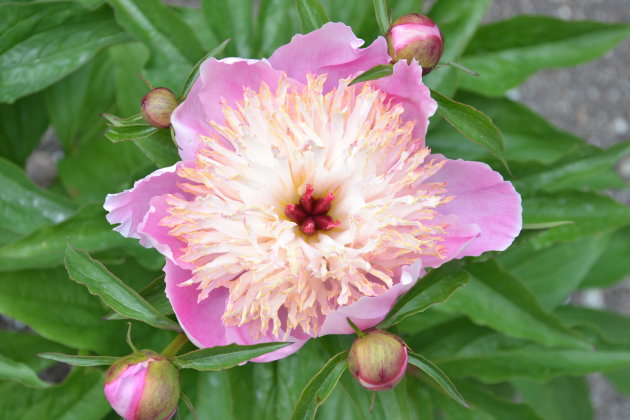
{"points": [[332, 49], [485, 211], [130, 206], [218, 80], [157, 235], [124, 392], [405, 86], [369, 311], [202, 321]]}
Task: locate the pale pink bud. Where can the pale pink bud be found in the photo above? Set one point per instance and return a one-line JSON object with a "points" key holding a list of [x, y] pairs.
{"points": [[157, 107], [143, 386], [378, 360], [415, 36]]}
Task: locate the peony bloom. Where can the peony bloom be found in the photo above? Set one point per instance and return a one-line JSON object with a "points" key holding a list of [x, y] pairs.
{"points": [[143, 386], [300, 200]]}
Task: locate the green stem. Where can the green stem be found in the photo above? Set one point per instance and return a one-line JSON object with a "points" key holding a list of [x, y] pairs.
{"points": [[356, 329], [175, 345], [129, 341]]}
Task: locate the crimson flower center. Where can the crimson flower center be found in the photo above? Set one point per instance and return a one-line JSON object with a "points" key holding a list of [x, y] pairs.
{"points": [[310, 213]]}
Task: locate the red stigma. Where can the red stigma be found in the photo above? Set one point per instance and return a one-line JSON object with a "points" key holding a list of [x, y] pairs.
{"points": [[310, 213]]}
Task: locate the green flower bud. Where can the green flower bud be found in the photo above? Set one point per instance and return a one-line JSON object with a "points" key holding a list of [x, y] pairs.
{"points": [[157, 107], [378, 360]]}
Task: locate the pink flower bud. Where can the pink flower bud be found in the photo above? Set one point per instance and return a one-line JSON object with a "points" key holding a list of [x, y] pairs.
{"points": [[157, 107], [415, 36], [378, 360], [143, 386]]}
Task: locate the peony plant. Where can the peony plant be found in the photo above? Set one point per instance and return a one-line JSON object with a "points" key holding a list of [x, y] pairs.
{"points": [[300, 210]]}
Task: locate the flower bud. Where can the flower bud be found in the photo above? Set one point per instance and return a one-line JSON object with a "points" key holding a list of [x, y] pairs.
{"points": [[378, 360], [157, 107], [143, 386], [415, 36]]}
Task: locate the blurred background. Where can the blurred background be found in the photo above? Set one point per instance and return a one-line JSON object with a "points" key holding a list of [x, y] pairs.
{"points": [[591, 101]]}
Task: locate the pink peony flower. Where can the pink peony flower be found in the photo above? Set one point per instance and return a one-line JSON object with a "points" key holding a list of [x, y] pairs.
{"points": [[143, 386], [300, 201]]}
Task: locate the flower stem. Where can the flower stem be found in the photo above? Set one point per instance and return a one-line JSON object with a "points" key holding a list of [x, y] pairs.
{"points": [[175, 345], [356, 329], [128, 338]]}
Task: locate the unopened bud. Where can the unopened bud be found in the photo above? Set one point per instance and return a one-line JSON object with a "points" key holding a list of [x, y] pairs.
{"points": [[415, 36], [157, 107], [378, 360], [143, 386]]}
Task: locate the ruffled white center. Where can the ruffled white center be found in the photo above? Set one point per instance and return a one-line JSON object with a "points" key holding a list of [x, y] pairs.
{"points": [[349, 142]]}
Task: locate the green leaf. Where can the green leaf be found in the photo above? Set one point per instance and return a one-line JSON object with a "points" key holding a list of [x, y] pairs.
{"points": [[231, 20], [620, 380], [224, 357], [527, 136], [74, 103], [19, 372], [58, 309], [129, 60], [548, 225], [562, 398], [42, 42], [104, 168], [574, 174], [79, 360], [277, 22], [380, 9], [612, 266], [435, 287], [592, 213], [458, 22], [117, 134], [25, 207], [22, 125], [23, 347], [154, 294], [540, 364], [612, 327], [433, 372], [312, 15], [194, 73], [320, 387], [269, 389], [495, 406], [473, 124], [376, 72], [552, 274], [91, 3], [450, 337], [172, 43], [159, 148], [114, 293], [78, 397], [506, 53], [87, 229], [198, 22], [495, 299]]}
